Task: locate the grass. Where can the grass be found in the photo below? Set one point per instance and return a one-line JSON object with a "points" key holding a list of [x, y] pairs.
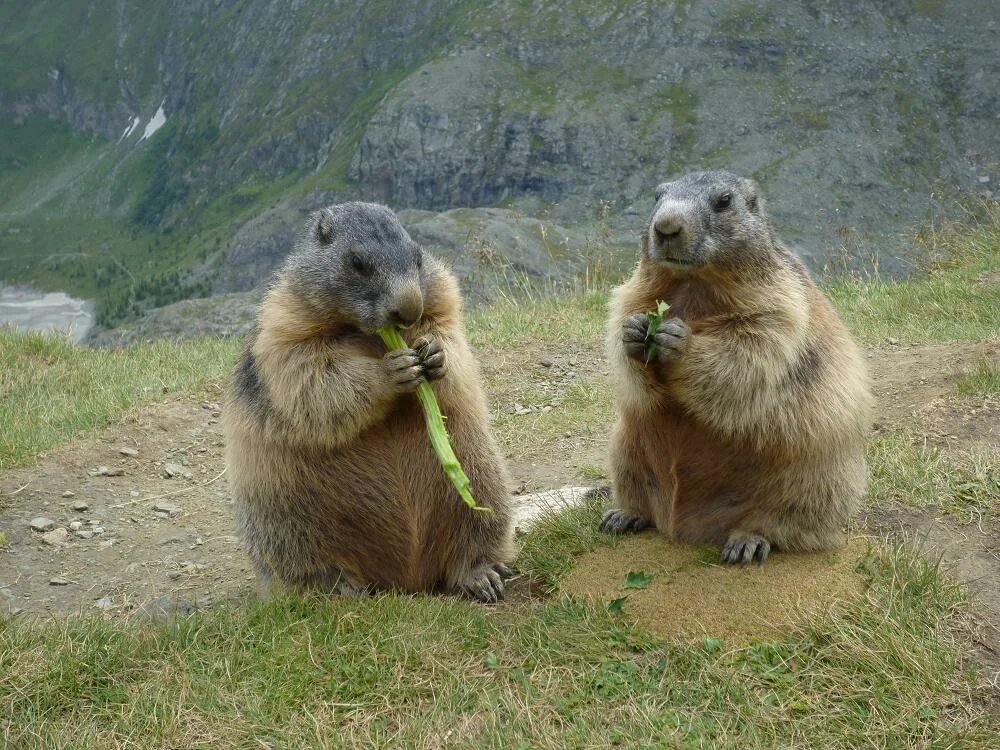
{"points": [[906, 471], [984, 381], [67, 389], [951, 301], [433, 672]]}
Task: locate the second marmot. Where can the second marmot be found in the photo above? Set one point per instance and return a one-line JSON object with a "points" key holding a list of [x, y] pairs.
{"points": [[746, 427]]}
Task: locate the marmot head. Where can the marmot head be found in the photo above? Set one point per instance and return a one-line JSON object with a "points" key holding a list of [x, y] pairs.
{"points": [[709, 220], [354, 263]]}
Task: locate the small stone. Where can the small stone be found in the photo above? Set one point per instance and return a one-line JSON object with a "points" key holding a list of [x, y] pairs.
{"points": [[98, 529], [42, 524], [130, 452], [984, 179], [198, 541], [172, 470], [80, 506], [56, 537], [84, 534], [169, 508], [75, 525], [173, 575], [107, 471], [103, 603], [892, 341], [133, 493], [545, 362], [68, 493], [57, 581]]}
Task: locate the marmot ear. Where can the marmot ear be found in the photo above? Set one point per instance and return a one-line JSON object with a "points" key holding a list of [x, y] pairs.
{"points": [[754, 202], [324, 227]]}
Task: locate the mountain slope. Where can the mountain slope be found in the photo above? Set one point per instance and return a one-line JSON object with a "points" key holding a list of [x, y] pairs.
{"points": [[148, 149]]}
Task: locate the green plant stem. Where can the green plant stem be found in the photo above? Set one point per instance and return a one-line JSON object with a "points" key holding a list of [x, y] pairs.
{"points": [[435, 428]]}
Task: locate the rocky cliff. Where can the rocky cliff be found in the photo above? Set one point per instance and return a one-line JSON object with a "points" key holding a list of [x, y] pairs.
{"points": [[154, 151]]}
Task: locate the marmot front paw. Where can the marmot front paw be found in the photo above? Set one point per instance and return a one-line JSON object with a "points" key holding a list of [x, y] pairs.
{"points": [[404, 369], [669, 340], [431, 356], [484, 583]]}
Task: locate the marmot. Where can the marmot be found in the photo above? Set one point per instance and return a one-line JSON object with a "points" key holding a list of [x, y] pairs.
{"points": [[746, 428], [336, 485]]}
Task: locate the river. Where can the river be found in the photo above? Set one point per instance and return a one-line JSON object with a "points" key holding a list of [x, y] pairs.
{"points": [[45, 311]]}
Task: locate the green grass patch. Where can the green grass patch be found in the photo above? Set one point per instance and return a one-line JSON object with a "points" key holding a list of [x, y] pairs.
{"points": [[950, 302], [984, 381], [50, 390], [903, 470], [434, 672], [558, 537]]}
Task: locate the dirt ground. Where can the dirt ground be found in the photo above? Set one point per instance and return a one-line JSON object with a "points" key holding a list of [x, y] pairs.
{"points": [[140, 542]]}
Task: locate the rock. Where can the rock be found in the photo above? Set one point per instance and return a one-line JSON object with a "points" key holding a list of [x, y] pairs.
{"points": [[58, 581], [173, 575], [42, 524], [545, 362], [891, 341], [68, 493], [107, 471], [84, 534], [79, 506], [164, 607], [56, 537], [98, 529], [173, 470], [75, 526], [169, 508], [526, 508], [130, 452], [104, 603]]}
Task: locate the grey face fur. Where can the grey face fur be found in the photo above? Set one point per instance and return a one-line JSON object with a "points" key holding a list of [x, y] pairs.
{"points": [[709, 219], [354, 262]]}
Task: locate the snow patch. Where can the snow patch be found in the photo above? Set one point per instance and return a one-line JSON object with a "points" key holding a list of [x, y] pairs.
{"points": [[130, 128], [156, 123]]}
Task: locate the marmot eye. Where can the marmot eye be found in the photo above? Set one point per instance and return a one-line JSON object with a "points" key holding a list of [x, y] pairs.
{"points": [[723, 202], [359, 264]]}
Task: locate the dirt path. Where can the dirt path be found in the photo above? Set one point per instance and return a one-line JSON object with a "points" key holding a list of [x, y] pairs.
{"points": [[138, 541]]}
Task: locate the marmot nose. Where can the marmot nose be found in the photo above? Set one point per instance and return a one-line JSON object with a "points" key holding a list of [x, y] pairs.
{"points": [[406, 315], [669, 227]]}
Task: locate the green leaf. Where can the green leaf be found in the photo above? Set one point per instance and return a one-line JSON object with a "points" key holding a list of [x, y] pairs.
{"points": [[713, 644], [616, 606], [492, 661], [655, 318], [637, 579]]}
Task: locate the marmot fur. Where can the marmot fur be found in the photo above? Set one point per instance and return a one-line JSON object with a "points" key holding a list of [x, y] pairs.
{"points": [[335, 482], [747, 426]]}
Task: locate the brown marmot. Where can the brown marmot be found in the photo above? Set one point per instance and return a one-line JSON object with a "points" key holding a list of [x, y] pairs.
{"points": [[336, 485], [746, 427]]}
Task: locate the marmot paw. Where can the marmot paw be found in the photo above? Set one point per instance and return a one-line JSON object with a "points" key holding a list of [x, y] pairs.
{"points": [[484, 584], [671, 339], [617, 521], [404, 369], [745, 548], [431, 356], [634, 336], [504, 571]]}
